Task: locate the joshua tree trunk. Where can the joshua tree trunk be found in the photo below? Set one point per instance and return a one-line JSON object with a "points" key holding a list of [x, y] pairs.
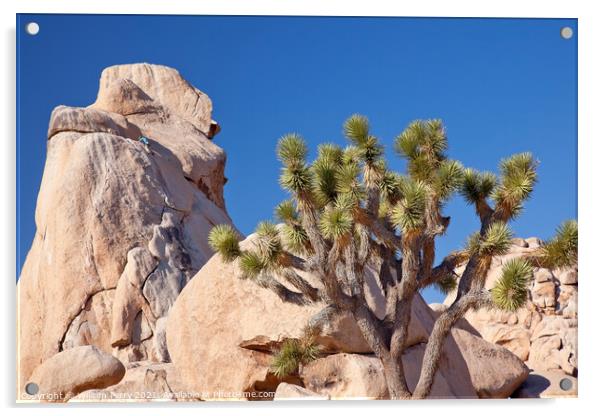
{"points": [[395, 378]]}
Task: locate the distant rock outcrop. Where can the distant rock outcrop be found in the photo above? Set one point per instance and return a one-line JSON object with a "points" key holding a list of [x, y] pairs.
{"points": [[544, 332], [121, 226]]}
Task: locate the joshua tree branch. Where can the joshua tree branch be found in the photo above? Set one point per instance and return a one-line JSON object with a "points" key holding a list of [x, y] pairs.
{"points": [[386, 236], [434, 347], [444, 269], [406, 290], [285, 294], [300, 284]]}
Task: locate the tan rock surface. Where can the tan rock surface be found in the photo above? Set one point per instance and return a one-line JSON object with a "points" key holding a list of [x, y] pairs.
{"points": [[544, 332], [495, 372], [120, 230], [354, 376], [73, 371], [162, 84], [143, 381], [286, 391], [88, 120]]}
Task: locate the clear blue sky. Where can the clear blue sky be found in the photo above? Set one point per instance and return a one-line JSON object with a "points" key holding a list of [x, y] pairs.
{"points": [[500, 85]]}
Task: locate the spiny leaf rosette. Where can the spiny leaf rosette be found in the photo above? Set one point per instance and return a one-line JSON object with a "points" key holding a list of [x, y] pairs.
{"points": [[348, 213]]}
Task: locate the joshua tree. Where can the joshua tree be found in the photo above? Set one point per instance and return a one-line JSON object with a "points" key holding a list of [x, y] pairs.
{"points": [[349, 213]]}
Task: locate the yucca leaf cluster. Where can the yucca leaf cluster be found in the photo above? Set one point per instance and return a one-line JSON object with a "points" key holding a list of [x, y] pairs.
{"points": [[495, 242], [511, 289], [561, 251], [502, 196], [294, 352]]}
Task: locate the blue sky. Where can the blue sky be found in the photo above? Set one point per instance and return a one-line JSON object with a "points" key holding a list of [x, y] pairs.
{"points": [[500, 85]]}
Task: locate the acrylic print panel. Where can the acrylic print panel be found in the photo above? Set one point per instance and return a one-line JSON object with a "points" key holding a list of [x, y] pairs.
{"points": [[259, 208]]}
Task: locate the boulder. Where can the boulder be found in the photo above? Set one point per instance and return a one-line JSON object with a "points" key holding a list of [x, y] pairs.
{"points": [[162, 84], [541, 275], [512, 337], [73, 371], [123, 96], [554, 345], [567, 276], [143, 381], [89, 120], [286, 391], [544, 295], [494, 371], [566, 304], [354, 376], [120, 228]]}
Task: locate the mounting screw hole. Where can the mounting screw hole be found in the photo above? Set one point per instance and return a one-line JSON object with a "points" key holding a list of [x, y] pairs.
{"points": [[566, 32], [32, 28], [32, 388], [566, 384]]}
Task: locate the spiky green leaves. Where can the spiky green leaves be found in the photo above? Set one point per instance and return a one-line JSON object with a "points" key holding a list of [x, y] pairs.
{"points": [[325, 169], [294, 352], [562, 250], [447, 284], [357, 130], [477, 186], [296, 176], [292, 149], [348, 181], [518, 176], [268, 242], [295, 239], [251, 264], [390, 187], [296, 179], [423, 143], [336, 223], [511, 290], [286, 212], [408, 213], [495, 242], [448, 178], [223, 238]]}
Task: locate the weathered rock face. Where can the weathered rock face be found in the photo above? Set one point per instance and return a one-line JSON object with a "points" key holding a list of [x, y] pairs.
{"points": [[544, 332], [143, 381], [494, 371], [121, 227], [354, 376], [221, 318], [75, 370], [286, 391]]}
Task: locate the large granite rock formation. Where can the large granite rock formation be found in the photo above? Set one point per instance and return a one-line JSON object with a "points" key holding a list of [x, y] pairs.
{"points": [[544, 332], [121, 227]]}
